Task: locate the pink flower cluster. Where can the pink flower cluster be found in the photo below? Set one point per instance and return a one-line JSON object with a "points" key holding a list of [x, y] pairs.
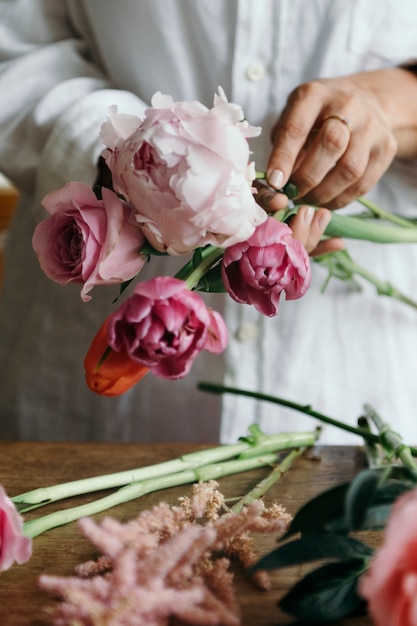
{"points": [[270, 262], [182, 181], [164, 326], [169, 562], [14, 546], [86, 240], [185, 169], [390, 585]]}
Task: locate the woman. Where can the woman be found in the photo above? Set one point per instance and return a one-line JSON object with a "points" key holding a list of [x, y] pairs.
{"points": [[349, 129]]}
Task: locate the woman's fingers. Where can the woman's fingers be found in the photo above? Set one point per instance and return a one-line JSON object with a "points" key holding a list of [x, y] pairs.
{"points": [[309, 225], [333, 140]]}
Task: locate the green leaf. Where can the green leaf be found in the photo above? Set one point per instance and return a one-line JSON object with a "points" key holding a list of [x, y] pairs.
{"points": [[123, 288], [376, 517], [148, 250], [317, 514], [197, 257], [290, 190], [387, 494], [327, 594], [402, 473], [360, 496], [212, 281], [313, 547]]}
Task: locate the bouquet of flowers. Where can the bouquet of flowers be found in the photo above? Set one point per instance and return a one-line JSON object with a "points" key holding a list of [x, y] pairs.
{"points": [[183, 184]]}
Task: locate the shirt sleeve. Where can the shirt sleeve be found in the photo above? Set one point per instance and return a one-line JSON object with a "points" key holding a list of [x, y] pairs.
{"points": [[53, 100]]}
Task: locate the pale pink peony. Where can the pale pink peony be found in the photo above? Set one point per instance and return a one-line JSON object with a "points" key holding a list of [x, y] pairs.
{"points": [[88, 241], [164, 326], [390, 585], [14, 547], [257, 271], [186, 170]]}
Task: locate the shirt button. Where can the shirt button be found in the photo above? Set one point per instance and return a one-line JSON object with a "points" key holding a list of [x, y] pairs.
{"points": [[247, 332], [255, 71]]}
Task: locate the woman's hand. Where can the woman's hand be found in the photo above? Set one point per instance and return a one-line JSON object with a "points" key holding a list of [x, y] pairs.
{"points": [[337, 137], [308, 225]]}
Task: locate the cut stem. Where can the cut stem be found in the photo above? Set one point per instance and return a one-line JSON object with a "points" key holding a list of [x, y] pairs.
{"points": [[350, 227], [257, 443], [136, 490], [273, 477]]}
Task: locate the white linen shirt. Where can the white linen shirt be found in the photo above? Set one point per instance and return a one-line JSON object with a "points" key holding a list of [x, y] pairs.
{"points": [[62, 64]]}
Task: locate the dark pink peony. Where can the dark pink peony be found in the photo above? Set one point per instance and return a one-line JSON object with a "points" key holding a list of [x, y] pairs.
{"points": [[88, 241], [271, 261], [186, 170], [390, 585], [14, 547], [164, 326]]}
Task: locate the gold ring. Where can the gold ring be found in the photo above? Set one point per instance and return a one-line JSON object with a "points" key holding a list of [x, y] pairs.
{"points": [[344, 120]]}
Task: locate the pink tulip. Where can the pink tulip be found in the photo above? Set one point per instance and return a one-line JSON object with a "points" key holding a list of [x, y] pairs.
{"points": [[164, 326], [14, 547], [88, 241], [257, 271], [186, 170], [390, 585]]}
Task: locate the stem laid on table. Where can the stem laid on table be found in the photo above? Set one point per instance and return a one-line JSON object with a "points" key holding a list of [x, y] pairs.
{"points": [[275, 475], [255, 444], [136, 490]]}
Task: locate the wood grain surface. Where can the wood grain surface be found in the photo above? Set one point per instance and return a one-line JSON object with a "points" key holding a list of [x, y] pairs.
{"points": [[25, 466]]}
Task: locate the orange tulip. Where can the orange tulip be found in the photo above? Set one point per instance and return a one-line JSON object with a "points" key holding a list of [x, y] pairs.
{"points": [[110, 373]]}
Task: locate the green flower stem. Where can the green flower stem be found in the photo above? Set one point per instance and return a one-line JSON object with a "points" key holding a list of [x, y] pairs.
{"points": [[273, 477], [350, 267], [136, 490], [371, 448], [191, 273], [215, 388], [390, 440], [385, 215], [350, 227], [362, 432], [256, 443]]}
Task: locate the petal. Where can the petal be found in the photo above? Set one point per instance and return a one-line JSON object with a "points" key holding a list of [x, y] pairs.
{"points": [[116, 373]]}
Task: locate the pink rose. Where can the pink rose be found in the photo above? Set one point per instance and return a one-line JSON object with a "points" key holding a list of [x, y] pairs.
{"points": [[14, 547], [164, 326], [88, 241], [271, 261], [186, 170], [390, 585]]}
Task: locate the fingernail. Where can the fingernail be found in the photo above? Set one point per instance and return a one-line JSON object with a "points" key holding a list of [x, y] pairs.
{"points": [[324, 219], [308, 214], [275, 178]]}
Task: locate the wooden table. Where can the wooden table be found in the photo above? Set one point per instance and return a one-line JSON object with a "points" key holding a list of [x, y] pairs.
{"points": [[25, 466]]}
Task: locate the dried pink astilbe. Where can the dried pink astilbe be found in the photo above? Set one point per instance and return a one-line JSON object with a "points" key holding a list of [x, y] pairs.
{"points": [[164, 564], [206, 501]]}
